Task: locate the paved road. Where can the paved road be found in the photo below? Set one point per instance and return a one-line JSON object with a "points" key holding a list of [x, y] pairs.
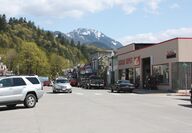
{"points": [[99, 111]]}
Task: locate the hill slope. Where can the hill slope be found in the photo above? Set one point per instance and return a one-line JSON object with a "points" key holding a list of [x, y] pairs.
{"points": [[46, 54]]}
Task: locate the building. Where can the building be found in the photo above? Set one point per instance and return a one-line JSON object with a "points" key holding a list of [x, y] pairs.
{"points": [[100, 61], [169, 61], [98, 57]]}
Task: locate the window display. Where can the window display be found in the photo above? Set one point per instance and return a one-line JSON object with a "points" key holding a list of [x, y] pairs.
{"points": [[161, 72]]}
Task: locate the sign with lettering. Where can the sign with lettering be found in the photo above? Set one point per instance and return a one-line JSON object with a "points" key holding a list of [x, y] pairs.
{"points": [[137, 60], [171, 54], [129, 60], [122, 62]]}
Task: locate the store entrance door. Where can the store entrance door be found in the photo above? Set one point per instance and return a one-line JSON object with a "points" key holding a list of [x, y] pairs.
{"points": [[146, 70]]}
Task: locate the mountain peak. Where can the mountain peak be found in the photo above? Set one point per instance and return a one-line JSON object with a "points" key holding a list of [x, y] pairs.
{"points": [[94, 37]]}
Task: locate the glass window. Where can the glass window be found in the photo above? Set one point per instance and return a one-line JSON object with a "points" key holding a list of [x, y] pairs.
{"points": [[33, 80], [62, 81], [161, 73], [18, 82], [137, 75], [6, 82], [123, 81]]}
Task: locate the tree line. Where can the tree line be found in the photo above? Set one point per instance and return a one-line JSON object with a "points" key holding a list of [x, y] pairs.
{"points": [[27, 49]]}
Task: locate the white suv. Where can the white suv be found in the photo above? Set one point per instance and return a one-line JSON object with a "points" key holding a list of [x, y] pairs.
{"points": [[20, 89]]}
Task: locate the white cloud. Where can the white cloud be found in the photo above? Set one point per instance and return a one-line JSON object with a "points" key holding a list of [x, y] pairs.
{"points": [[71, 8], [157, 37], [175, 6]]}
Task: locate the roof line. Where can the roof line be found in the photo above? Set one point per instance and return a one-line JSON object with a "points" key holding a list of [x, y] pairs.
{"points": [[177, 38]]}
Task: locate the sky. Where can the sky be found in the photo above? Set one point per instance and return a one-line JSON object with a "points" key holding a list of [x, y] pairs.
{"points": [[127, 21]]}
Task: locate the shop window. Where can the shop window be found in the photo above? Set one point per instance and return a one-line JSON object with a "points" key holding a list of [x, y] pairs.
{"points": [[161, 73], [137, 75], [131, 75]]}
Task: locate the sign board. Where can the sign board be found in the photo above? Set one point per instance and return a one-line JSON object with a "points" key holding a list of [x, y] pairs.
{"points": [[137, 60], [171, 54]]}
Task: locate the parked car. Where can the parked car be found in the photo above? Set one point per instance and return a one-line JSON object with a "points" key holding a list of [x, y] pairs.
{"points": [[123, 85], [25, 90], [94, 82], [62, 85], [82, 82], [73, 82], [47, 83]]}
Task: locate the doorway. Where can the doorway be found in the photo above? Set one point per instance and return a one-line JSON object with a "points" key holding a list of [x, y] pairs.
{"points": [[146, 70]]}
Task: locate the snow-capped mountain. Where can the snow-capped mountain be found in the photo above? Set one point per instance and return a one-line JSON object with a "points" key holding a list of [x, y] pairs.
{"points": [[93, 37]]}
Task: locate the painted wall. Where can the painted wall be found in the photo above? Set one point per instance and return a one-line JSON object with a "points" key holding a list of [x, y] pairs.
{"points": [[185, 50], [157, 53]]}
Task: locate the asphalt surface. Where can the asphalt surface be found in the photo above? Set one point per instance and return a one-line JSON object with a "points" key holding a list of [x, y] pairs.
{"points": [[100, 111]]}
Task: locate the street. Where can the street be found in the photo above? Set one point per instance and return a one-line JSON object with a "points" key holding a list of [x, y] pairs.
{"points": [[100, 111]]}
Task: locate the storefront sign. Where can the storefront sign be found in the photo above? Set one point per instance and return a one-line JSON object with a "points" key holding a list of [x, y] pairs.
{"points": [[129, 60], [137, 60], [171, 54], [122, 62]]}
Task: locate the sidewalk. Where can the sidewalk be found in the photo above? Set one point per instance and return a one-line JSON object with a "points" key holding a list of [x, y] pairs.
{"points": [[158, 91]]}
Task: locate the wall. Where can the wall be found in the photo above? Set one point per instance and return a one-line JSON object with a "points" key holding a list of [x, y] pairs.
{"points": [[185, 50], [125, 49]]}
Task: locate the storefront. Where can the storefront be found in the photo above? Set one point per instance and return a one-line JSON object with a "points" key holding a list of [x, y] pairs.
{"points": [[170, 62]]}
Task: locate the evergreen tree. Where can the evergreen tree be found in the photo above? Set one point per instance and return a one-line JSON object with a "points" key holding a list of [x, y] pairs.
{"points": [[3, 22]]}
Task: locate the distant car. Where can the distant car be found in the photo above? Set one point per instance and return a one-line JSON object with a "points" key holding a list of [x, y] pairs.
{"points": [[94, 82], [47, 83], [20, 89], [62, 85], [123, 85], [73, 82], [82, 82]]}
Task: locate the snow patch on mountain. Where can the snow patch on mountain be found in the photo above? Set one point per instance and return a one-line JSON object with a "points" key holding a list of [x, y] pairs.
{"points": [[91, 36]]}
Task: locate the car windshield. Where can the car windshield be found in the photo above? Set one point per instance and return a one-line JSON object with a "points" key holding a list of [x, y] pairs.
{"points": [[62, 81], [123, 81]]}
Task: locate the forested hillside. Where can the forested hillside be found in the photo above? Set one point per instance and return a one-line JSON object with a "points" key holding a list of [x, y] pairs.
{"points": [[28, 49]]}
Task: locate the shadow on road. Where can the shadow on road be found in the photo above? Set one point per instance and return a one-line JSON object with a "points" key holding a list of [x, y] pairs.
{"points": [[10, 109], [51, 93], [186, 105], [95, 89], [184, 99]]}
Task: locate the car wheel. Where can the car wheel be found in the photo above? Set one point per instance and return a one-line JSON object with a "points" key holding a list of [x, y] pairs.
{"points": [[111, 90], [30, 101], [88, 87], [11, 105]]}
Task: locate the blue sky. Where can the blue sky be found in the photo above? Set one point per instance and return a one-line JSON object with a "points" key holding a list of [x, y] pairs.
{"points": [[124, 20]]}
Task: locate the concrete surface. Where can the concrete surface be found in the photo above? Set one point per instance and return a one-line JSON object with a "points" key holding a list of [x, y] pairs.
{"points": [[100, 111]]}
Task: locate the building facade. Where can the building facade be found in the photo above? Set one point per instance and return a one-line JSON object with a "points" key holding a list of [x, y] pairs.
{"points": [[169, 61]]}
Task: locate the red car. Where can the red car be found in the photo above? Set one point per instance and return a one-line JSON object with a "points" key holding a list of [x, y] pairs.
{"points": [[47, 83], [73, 82]]}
